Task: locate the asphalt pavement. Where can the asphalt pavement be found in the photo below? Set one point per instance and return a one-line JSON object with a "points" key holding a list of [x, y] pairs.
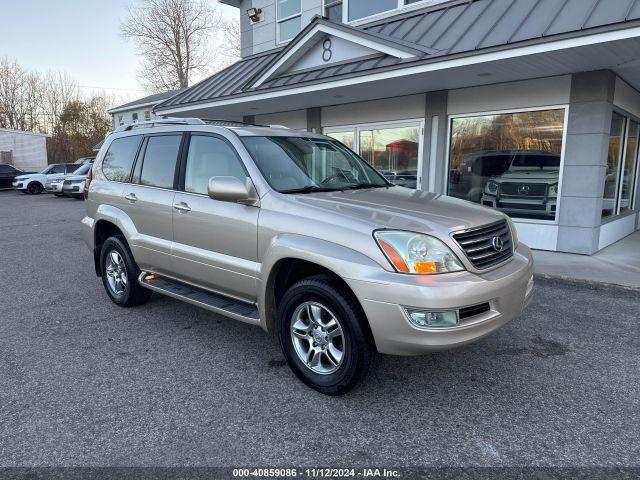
{"points": [[84, 382]]}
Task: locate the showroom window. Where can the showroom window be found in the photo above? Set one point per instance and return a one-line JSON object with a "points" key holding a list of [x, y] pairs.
{"points": [[393, 148], [508, 161], [622, 158], [289, 21]]}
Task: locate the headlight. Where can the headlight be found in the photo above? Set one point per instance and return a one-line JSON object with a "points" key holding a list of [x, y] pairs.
{"points": [[514, 233], [553, 190], [416, 253], [492, 187]]}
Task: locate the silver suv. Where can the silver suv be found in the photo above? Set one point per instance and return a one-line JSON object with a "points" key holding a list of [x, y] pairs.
{"points": [[295, 233]]}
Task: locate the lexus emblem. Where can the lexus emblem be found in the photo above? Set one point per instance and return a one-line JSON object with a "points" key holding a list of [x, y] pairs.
{"points": [[497, 244], [523, 189]]}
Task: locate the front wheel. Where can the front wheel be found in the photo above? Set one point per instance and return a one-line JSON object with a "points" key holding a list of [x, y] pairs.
{"points": [[323, 335], [34, 188], [120, 274]]}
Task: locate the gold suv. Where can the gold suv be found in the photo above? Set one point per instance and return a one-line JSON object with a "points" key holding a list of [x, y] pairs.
{"points": [[295, 233]]}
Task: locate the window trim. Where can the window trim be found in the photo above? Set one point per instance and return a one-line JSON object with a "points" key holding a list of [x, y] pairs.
{"points": [[401, 7], [356, 128], [565, 107], [284, 19], [331, 3], [628, 118], [135, 158], [182, 167], [142, 150]]}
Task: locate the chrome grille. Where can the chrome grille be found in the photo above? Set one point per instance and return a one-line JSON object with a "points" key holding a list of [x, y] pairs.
{"points": [[478, 244], [524, 189]]}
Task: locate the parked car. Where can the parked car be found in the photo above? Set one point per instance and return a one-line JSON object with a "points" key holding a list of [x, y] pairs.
{"points": [[529, 187], [469, 179], [55, 182], [34, 182], [7, 174], [295, 233], [84, 160], [73, 185]]}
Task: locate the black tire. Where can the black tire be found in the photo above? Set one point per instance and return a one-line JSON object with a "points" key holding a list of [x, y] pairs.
{"points": [[358, 350], [133, 294], [35, 188], [58, 194]]}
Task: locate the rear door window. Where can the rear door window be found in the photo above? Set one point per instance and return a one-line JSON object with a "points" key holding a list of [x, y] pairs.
{"points": [[119, 158], [160, 159]]}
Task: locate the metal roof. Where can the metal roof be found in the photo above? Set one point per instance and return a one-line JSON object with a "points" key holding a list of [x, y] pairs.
{"points": [[229, 81], [454, 28], [148, 100]]}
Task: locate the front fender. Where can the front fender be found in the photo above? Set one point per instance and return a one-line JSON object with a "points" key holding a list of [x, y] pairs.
{"points": [[343, 261]]}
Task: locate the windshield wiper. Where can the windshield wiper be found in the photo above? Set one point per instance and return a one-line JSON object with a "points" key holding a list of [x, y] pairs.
{"points": [[365, 185], [309, 189]]}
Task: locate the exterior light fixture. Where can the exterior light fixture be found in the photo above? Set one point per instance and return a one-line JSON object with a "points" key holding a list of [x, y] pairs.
{"points": [[254, 14]]}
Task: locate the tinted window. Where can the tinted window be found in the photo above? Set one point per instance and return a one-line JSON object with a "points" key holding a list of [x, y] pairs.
{"points": [[210, 157], [6, 169], [364, 8], [72, 167], [83, 170], [159, 164], [119, 158], [58, 168]]}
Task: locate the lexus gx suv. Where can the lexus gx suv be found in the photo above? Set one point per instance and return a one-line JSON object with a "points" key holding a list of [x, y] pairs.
{"points": [[293, 232]]}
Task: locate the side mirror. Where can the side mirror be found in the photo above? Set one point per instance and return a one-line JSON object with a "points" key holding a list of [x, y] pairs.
{"points": [[232, 189]]}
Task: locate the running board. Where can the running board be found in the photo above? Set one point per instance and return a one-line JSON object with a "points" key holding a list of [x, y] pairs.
{"points": [[215, 302]]}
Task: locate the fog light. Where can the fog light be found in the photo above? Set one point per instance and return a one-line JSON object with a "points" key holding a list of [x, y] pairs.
{"points": [[426, 319]]}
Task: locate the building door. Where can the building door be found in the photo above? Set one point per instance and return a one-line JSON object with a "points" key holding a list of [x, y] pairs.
{"points": [[393, 148]]}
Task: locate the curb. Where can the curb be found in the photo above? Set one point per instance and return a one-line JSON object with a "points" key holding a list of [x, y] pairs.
{"points": [[586, 283]]}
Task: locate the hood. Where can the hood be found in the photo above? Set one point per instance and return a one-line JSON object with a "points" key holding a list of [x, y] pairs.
{"points": [[56, 176], [75, 178], [529, 175], [29, 176], [403, 209]]}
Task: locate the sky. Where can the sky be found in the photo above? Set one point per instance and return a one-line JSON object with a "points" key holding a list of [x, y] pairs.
{"points": [[80, 37]]}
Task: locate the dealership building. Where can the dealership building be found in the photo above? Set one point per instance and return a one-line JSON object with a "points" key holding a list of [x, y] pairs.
{"points": [[528, 106]]}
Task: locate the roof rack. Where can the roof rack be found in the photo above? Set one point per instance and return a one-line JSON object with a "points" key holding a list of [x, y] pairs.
{"points": [[229, 123], [159, 122]]}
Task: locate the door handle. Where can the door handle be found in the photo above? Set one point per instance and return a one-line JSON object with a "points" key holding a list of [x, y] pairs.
{"points": [[131, 197], [182, 207]]}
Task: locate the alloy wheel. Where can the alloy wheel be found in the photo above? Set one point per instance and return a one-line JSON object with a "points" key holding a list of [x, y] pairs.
{"points": [[116, 272], [317, 338]]}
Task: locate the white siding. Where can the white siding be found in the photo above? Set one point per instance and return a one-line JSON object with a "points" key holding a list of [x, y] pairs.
{"points": [[383, 110], [28, 150], [505, 96], [295, 119]]}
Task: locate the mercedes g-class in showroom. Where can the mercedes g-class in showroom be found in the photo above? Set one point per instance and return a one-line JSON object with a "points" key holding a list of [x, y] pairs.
{"points": [[293, 232]]}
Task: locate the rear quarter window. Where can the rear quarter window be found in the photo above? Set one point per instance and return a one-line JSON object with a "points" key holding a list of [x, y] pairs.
{"points": [[119, 158]]}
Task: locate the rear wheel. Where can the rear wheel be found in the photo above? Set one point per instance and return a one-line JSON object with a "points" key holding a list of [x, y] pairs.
{"points": [[34, 188], [323, 336], [120, 274]]}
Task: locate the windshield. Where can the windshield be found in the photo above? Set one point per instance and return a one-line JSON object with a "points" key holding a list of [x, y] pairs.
{"points": [[83, 170], [296, 164]]}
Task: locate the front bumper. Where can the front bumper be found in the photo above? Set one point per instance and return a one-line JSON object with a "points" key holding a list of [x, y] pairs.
{"points": [[53, 187], [521, 206], [73, 190], [19, 185], [507, 289]]}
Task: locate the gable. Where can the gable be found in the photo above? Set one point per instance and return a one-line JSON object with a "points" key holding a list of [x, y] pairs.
{"points": [[330, 50], [323, 44]]}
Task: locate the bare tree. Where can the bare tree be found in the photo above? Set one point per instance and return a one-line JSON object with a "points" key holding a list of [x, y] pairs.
{"points": [[12, 94], [173, 37]]}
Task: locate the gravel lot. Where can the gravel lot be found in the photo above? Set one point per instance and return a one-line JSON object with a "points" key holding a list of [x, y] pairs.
{"points": [[84, 382]]}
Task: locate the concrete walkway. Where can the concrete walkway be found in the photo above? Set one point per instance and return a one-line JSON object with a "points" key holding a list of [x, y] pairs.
{"points": [[617, 265]]}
